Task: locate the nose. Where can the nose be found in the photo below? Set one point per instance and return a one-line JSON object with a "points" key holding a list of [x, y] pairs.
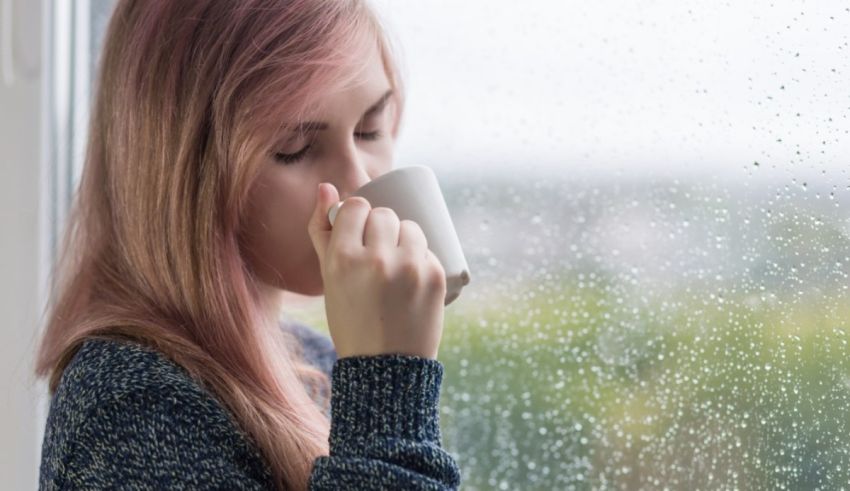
{"points": [[351, 172]]}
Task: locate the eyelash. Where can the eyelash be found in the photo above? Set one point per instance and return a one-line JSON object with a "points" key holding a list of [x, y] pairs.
{"points": [[289, 158]]}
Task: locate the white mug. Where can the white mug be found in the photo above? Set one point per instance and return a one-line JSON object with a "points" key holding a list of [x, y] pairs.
{"points": [[414, 193]]}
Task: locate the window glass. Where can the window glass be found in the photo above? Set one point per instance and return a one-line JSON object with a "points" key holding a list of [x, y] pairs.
{"points": [[652, 198], [100, 12]]}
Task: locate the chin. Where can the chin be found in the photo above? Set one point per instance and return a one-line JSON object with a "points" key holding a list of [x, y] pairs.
{"points": [[319, 289], [310, 289]]}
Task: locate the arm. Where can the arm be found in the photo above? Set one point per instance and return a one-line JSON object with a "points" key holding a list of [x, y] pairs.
{"points": [[384, 435], [385, 430]]}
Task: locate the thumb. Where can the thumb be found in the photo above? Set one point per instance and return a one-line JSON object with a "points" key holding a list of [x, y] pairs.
{"points": [[319, 226]]}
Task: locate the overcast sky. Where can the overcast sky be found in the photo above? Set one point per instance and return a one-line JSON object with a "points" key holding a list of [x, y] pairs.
{"points": [[668, 86]]}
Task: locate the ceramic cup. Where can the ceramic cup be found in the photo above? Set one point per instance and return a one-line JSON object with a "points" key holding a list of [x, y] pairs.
{"points": [[413, 192]]}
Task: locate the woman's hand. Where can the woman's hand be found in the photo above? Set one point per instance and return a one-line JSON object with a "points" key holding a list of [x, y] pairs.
{"points": [[384, 289]]}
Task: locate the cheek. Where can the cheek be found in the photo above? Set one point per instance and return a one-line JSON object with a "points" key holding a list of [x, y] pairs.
{"points": [[272, 228]]}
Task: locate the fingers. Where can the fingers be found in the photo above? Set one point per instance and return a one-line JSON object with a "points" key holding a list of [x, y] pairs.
{"points": [[349, 224], [319, 227], [357, 224], [411, 236], [382, 229]]}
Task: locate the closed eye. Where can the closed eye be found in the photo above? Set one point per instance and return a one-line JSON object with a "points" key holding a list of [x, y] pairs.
{"points": [[372, 135], [289, 158]]}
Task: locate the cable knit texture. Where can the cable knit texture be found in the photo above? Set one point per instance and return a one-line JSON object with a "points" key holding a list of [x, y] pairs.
{"points": [[124, 416]]}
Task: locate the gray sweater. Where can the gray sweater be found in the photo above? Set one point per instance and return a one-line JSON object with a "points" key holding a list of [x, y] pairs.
{"points": [[124, 416]]}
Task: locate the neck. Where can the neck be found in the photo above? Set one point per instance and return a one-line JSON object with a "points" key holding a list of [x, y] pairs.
{"points": [[271, 299]]}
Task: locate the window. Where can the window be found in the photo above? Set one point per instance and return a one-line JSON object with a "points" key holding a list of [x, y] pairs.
{"points": [[653, 200]]}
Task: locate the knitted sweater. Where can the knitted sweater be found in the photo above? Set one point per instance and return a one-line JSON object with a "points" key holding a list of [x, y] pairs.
{"points": [[125, 416]]}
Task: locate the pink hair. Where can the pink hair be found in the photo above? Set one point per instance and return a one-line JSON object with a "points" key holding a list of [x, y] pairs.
{"points": [[189, 97]]}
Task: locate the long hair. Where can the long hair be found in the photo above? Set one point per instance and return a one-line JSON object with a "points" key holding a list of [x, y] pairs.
{"points": [[188, 99]]}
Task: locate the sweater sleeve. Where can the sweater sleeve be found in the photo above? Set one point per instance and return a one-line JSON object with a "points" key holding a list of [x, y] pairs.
{"points": [[385, 431]]}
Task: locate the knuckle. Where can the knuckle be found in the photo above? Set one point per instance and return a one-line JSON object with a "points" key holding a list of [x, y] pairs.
{"points": [[383, 209], [410, 269], [357, 201], [413, 225], [414, 229], [384, 212], [379, 263], [343, 259], [437, 277], [436, 273], [439, 286]]}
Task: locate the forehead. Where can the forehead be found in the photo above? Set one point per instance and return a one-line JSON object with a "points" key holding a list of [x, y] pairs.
{"points": [[370, 84]]}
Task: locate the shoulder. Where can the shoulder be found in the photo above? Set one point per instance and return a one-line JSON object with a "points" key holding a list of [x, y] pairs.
{"points": [[105, 371], [121, 405]]}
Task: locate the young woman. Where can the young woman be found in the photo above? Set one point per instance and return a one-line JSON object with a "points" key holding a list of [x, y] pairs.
{"points": [[214, 122]]}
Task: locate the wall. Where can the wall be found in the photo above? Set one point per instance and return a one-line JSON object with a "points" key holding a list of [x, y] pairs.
{"points": [[22, 250]]}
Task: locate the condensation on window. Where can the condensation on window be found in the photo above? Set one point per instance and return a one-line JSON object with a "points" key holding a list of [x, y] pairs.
{"points": [[643, 334], [660, 256]]}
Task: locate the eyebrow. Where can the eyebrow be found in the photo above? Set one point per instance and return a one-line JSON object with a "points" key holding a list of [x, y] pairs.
{"points": [[318, 125]]}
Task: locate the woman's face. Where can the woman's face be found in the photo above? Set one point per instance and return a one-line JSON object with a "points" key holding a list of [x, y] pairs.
{"points": [[351, 145]]}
